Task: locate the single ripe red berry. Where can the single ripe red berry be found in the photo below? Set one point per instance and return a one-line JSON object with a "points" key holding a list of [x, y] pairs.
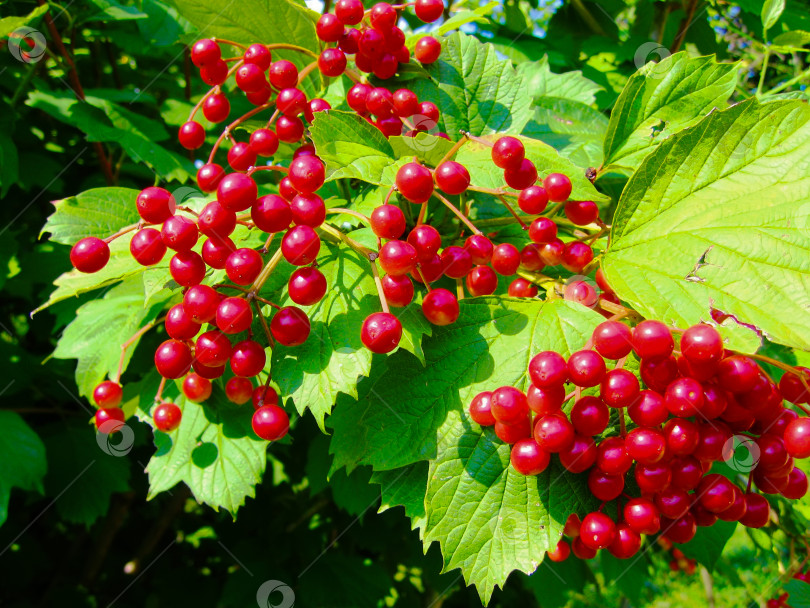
{"points": [[290, 129], [452, 177], [380, 102], [196, 388], [586, 368], [508, 153], [308, 210], [329, 28], [237, 192], [481, 409], [791, 386], [528, 458], [456, 262], [715, 492], [702, 344], [381, 332], [646, 446], [90, 254], [167, 417], [682, 438], [187, 268], [332, 62], [548, 369], [619, 388], [214, 74], [533, 200], [505, 259], [542, 230], [108, 394], [430, 111], [521, 288], [480, 248], [271, 213], [440, 307], [757, 511], [283, 75], [388, 222], [234, 315], [642, 516], [208, 176], [580, 456], [250, 78], [300, 245], [290, 326], [270, 422], [482, 281], [590, 416], [406, 103], [248, 358], [559, 553], [241, 156], [398, 290], [179, 233], [558, 187], [383, 16], [216, 107], [264, 395], [179, 324], [605, 486], [191, 135], [612, 340], [597, 531], [200, 302], [509, 405], [212, 348], [264, 142], [209, 373], [521, 177], [306, 286], [652, 477], [626, 543], [173, 359], [612, 457], [738, 374], [554, 432], [259, 55], [238, 390], [581, 213], [648, 409], [109, 420], [147, 247], [545, 400], [397, 257], [576, 256], [684, 397], [307, 174], [415, 182], [205, 52], [797, 438], [215, 251], [429, 10], [652, 340], [215, 221], [426, 240]]}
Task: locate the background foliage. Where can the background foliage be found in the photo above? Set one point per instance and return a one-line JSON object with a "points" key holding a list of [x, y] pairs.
{"points": [[76, 528]]}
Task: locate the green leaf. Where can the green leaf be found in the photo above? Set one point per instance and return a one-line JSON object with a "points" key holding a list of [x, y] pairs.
{"points": [[771, 11], [101, 326], [799, 592], [475, 90], [793, 39], [22, 459], [333, 357], [83, 474], [110, 10], [9, 24], [718, 217], [98, 212], [708, 543], [397, 421], [9, 164], [214, 452], [570, 86], [661, 99], [464, 16], [405, 487]]}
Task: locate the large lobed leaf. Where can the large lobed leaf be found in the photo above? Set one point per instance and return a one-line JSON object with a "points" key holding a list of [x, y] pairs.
{"points": [[719, 217], [98, 212], [661, 99], [488, 519]]}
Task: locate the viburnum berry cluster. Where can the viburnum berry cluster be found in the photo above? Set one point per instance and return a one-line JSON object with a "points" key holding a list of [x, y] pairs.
{"points": [[648, 449], [200, 329]]}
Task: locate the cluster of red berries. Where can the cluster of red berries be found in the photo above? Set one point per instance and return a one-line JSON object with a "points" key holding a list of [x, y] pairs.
{"points": [[699, 398], [679, 562]]}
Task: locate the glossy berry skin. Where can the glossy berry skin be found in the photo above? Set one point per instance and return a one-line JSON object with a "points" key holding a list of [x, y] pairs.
{"points": [[306, 286], [481, 409], [216, 221], [597, 531], [427, 50], [290, 129], [542, 231], [716, 493], [581, 213], [264, 395], [264, 142], [545, 400], [108, 394], [200, 302], [388, 222], [684, 397], [548, 369], [243, 266], [440, 307], [626, 543], [558, 187], [283, 74], [523, 176], [167, 417], [187, 268], [406, 103], [234, 315], [652, 340], [682, 437], [521, 288], [452, 177], [560, 553], [216, 107], [271, 213], [397, 257], [172, 359], [147, 247], [648, 409], [456, 262], [586, 368], [686, 473], [528, 458], [531, 258], [179, 233], [428, 270], [290, 326], [426, 240], [797, 438], [307, 174], [350, 12], [398, 290], [681, 530], [90, 255], [580, 456], [329, 28], [644, 445], [533, 200], [702, 344], [508, 153], [590, 416], [180, 325], [612, 457], [209, 373], [757, 511], [429, 10], [791, 387], [270, 422], [215, 73], [738, 374], [509, 405], [208, 176], [605, 486], [619, 388], [642, 516], [480, 248], [212, 348], [191, 135], [241, 156], [658, 374], [308, 210], [381, 332], [238, 390], [652, 478], [481, 281], [205, 52], [415, 182], [505, 259], [554, 433], [237, 192], [248, 358], [512, 433], [612, 340], [109, 420], [196, 388], [259, 55], [300, 245]]}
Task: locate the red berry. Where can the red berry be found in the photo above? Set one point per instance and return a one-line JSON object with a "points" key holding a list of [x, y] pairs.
{"points": [[586, 368], [611, 339], [715, 492], [554, 432], [797, 438], [647, 446], [456, 262], [521, 288], [528, 458], [508, 153], [300, 245], [238, 390], [590, 416], [406, 103], [290, 326], [738, 374], [90, 254], [234, 315], [702, 344], [179, 233], [509, 405], [686, 473], [283, 75], [172, 359], [481, 409], [658, 374], [521, 177], [270, 422], [581, 551], [480, 248], [271, 213], [216, 107], [398, 290], [215, 73], [200, 302], [559, 553], [213, 348], [397, 257], [147, 247], [612, 457], [505, 259], [350, 12], [440, 307], [576, 256], [684, 397], [533, 200], [215, 221], [619, 388], [648, 409], [548, 369], [208, 177], [429, 10], [512, 433], [306, 286], [580, 456], [652, 478], [167, 417], [264, 395], [248, 358], [482, 281], [179, 324], [289, 129], [415, 182], [259, 55], [205, 52], [250, 78], [191, 135], [388, 221], [237, 192], [558, 187], [241, 156], [581, 213], [381, 332], [196, 388], [626, 543], [652, 340], [329, 28], [380, 102], [187, 268], [543, 230], [308, 210], [757, 511], [452, 177], [108, 394], [792, 388], [597, 531], [681, 530], [264, 142], [427, 50], [426, 240], [307, 174]]}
